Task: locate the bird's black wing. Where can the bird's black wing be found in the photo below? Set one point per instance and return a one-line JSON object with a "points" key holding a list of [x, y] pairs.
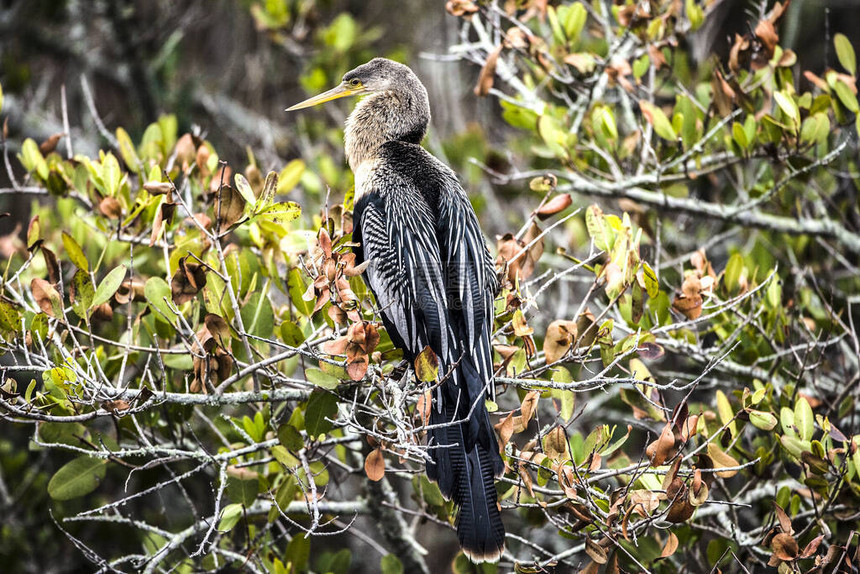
{"points": [[470, 279], [395, 230]]}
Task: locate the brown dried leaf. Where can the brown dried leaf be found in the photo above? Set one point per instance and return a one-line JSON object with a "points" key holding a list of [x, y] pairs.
{"points": [[488, 72], [505, 428], [812, 547], [586, 329], [784, 547], [110, 207], [595, 551], [229, 207], [556, 205], [324, 240], [186, 151], [644, 502], [163, 217], [721, 459], [461, 7], [188, 280], [50, 144], [47, 298], [560, 336], [527, 478], [51, 265], [336, 347], [689, 301], [131, 289], [357, 367], [783, 519], [117, 405], [424, 406], [102, 312], [555, 443], [670, 547], [529, 405], [681, 510], [661, 449], [218, 327], [374, 465], [158, 187]]}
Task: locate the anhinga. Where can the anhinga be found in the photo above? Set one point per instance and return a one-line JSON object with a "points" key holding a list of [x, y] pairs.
{"points": [[434, 282]]}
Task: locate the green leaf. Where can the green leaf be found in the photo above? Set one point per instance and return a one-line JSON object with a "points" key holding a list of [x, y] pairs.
{"points": [[244, 189], [297, 288], [786, 421], [290, 437], [595, 223], [290, 176], [291, 334], [390, 564], [740, 136], [156, 290], [111, 174], [242, 490], [652, 286], [641, 65], [282, 212], [557, 31], [258, 316], [77, 478], [84, 293], [657, 118], [553, 134], [845, 53], [321, 378], [284, 456], [10, 316], [127, 151], [321, 406], [32, 159], [762, 420], [230, 517], [846, 96], [75, 252], [734, 268], [788, 106], [340, 562], [804, 420], [572, 18], [109, 285], [793, 445], [298, 552]]}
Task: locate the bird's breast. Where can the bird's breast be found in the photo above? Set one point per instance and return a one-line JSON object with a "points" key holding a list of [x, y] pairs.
{"points": [[364, 174]]}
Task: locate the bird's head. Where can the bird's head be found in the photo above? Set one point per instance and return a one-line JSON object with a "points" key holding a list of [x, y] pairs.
{"points": [[376, 76]]}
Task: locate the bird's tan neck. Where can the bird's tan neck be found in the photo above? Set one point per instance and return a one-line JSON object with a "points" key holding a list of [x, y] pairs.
{"points": [[381, 118]]}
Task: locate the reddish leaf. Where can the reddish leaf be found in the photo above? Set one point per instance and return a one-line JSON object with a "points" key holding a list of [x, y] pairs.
{"points": [[374, 465], [784, 547], [488, 72]]}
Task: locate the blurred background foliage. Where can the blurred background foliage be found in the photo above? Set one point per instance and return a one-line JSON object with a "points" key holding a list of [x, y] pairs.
{"points": [[211, 78]]}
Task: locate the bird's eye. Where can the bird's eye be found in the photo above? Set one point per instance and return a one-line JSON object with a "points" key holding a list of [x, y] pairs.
{"points": [[355, 82]]}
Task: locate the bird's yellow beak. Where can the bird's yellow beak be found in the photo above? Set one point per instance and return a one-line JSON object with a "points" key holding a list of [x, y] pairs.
{"points": [[340, 91]]}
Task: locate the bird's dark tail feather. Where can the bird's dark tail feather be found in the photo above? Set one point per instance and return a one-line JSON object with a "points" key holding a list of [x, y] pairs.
{"points": [[465, 465]]}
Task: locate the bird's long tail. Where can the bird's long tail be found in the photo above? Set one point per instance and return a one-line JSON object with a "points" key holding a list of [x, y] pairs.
{"points": [[465, 462]]}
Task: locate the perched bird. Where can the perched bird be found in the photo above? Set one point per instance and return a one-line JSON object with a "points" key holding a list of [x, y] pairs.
{"points": [[434, 282]]}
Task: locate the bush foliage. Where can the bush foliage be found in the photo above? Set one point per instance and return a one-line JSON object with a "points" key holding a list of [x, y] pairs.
{"points": [[192, 346]]}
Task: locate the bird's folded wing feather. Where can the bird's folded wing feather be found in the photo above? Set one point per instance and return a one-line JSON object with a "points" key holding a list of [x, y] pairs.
{"points": [[405, 271], [470, 278]]}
